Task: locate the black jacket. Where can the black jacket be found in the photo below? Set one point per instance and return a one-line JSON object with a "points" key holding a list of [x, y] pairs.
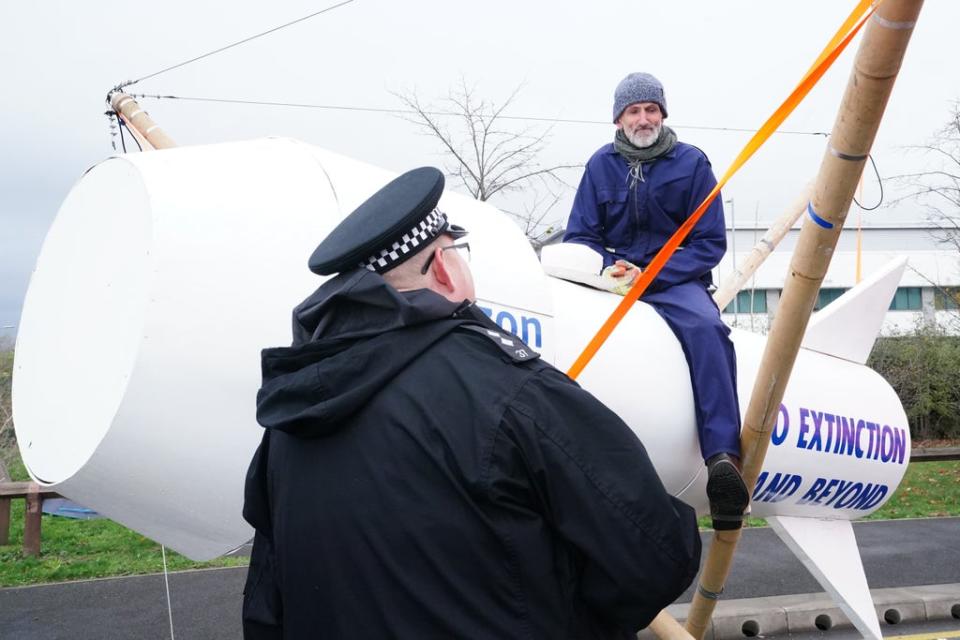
{"points": [[419, 477]]}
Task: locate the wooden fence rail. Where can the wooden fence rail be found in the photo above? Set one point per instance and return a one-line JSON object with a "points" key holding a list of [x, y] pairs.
{"points": [[33, 496]]}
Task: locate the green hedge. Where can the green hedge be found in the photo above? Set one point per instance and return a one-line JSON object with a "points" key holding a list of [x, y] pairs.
{"points": [[7, 440], [924, 369]]}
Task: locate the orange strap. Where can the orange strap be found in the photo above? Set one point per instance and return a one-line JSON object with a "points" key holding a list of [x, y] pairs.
{"points": [[830, 53]]}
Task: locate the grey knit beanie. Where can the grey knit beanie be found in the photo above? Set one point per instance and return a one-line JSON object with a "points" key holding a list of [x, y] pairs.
{"points": [[638, 87]]}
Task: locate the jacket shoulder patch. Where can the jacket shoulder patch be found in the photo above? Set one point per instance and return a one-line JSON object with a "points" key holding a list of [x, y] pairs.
{"points": [[510, 344]]}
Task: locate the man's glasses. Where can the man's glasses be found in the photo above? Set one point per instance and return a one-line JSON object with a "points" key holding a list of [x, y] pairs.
{"points": [[460, 245]]}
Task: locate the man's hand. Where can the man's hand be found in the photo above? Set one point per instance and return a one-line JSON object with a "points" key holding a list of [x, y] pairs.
{"points": [[622, 268], [620, 276]]}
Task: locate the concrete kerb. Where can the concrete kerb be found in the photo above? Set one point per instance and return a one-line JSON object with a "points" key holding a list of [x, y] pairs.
{"points": [[940, 601], [816, 612], [804, 613]]}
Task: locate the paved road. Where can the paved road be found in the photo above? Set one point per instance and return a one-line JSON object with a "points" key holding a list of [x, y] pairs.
{"points": [[895, 553], [206, 604]]}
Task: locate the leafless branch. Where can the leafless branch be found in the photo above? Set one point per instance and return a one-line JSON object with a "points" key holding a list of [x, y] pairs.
{"points": [[489, 157], [938, 189]]}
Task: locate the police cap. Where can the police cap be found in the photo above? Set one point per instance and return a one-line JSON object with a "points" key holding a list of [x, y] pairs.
{"points": [[393, 225]]}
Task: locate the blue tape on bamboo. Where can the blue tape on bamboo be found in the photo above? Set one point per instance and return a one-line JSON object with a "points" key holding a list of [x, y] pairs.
{"points": [[826, 224]]}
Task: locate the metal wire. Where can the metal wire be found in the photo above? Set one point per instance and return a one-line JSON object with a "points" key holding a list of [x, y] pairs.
{"points": [[230, 46], [334, 107], [879, 182]]}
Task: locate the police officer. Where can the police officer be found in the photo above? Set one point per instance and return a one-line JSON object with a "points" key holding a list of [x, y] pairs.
{"points": [[423, 474]]}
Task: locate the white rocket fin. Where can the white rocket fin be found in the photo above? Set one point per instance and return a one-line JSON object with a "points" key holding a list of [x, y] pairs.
{"points": [[828, 549], [848, 327]]}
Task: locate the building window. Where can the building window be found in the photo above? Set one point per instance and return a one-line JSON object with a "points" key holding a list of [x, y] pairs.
{"points": [[906, 299], [757, 298], [826, 296], [946, 298]]}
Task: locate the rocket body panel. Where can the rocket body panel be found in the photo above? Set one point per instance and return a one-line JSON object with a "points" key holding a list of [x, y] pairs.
{"points": [[222, 236], [82, 322], [166, 273], [840, 445], [640, 373], [841, 442]]}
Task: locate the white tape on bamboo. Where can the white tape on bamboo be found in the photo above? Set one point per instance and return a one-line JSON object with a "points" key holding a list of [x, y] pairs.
{"points": [[147, 132]]}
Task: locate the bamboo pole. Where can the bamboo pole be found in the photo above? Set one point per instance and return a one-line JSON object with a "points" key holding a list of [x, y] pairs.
{"points": [[761, 251], [875, 70], [148, 133], [716, 568], [666, 627]]}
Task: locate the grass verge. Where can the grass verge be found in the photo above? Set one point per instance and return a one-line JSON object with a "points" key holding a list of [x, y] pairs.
{"points": [[84, 549], [928, 490]]}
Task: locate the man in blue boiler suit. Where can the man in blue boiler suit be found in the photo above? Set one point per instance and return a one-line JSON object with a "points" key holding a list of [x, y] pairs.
{"points": [[635, 193]]}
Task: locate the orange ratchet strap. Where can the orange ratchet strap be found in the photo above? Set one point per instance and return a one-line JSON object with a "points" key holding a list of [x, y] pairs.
{"points": [[830, 53]]}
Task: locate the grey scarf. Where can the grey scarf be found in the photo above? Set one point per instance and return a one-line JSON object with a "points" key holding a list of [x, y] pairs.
{"points": [[636, 156]]}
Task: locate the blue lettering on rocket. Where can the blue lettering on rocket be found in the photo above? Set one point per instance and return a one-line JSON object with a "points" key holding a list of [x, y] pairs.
{"points": [[830, 421], [783, 421], [843, 435], [527, 328], [804, 428], [528, 325], [774, 489], [813, 491], [815, 441], [508, 322], [843, 494]]}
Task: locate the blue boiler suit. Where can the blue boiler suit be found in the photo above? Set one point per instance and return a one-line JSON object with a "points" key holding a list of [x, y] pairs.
{"points": [[623, 218]]}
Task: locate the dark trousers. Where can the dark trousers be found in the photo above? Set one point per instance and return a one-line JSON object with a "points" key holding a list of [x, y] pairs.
{"points": [[694, 318]]}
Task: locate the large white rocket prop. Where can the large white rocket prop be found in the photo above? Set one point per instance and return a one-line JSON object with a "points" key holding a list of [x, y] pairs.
{"points": [[165, 274]]}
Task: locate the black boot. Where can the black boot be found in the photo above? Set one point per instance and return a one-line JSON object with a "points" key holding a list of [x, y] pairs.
{"points": [[726, 492]]}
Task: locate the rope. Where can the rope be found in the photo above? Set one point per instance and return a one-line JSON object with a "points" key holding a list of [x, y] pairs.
{"points": [[334, 107], [827, 57], [166, 581], [230, 46]]}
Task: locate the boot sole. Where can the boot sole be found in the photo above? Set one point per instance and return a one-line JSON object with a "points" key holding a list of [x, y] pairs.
{"points": [[727, 495]]}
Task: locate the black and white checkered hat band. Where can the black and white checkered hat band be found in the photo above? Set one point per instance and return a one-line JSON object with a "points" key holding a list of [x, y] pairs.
{"points": [[411, 242]]}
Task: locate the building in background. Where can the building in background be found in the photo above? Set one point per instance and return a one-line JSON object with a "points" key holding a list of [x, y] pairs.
{"points": [[928, 292]]}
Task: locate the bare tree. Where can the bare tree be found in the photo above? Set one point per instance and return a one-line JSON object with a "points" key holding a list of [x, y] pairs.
{"points": [[492, 159], [937, 189]]}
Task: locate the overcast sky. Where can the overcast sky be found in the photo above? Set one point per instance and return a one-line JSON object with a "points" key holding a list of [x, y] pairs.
{"points": [[724, 64]]}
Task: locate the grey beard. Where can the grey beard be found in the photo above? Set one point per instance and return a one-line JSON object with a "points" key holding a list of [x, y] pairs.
{"points": [[644, 139], [636, 156]]}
